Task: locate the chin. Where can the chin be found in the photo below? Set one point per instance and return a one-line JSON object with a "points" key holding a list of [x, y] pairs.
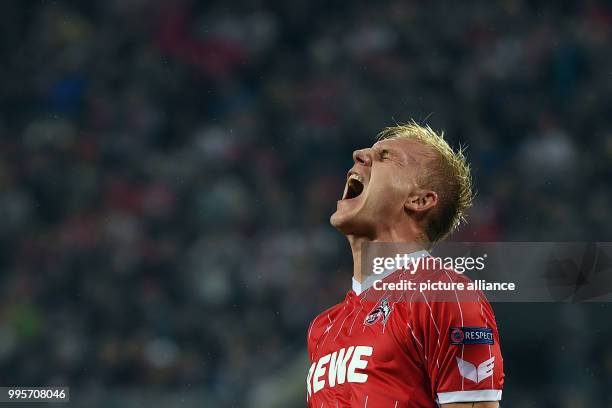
{"points": [[347, 224], [340, 221], [336, 220]]}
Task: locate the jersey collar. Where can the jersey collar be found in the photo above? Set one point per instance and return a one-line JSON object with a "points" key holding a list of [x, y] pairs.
{"points": [[360, 287]]}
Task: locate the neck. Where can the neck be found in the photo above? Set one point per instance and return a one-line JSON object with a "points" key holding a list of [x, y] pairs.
{"points": [[412, 242], [356, 244]]}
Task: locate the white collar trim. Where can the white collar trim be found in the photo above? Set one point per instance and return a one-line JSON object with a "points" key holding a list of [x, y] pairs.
{"points": [[358, 287]]}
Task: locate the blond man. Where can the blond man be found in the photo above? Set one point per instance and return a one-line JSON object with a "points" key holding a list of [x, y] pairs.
{"points": [[417, 349]]}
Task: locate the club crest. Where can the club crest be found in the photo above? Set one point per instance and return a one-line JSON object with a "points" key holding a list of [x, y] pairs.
{"points": [[381, 311]]}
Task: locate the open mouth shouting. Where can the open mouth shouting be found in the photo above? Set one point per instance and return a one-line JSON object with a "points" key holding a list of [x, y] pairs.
{"points": [[354, 187]]}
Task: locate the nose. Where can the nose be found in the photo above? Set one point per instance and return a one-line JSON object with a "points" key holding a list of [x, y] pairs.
{"points": [[363, 157]]}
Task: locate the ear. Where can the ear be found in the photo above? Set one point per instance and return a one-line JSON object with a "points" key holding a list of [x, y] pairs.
{"points": [[421, 201]]}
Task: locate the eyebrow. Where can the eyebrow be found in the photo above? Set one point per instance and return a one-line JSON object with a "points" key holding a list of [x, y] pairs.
{"points": [[384, 149], [394, 152]]}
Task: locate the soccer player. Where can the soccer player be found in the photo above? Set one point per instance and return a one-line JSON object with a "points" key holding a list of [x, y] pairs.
{"points": [[411, 351]]}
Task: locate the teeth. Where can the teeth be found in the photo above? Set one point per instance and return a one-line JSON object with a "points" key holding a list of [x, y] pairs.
{"points": [[353, 188], [356, 177]]}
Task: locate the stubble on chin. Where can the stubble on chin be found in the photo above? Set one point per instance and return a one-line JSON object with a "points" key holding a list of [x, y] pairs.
{"points": [[349, 225], [341, 222]]}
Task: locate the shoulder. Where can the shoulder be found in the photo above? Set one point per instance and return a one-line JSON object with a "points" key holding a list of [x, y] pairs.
{"points": [[447, 295], [323, 320]]}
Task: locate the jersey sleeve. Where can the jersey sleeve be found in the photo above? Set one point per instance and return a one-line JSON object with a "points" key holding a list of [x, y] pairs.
{"points": [[461, 350]]}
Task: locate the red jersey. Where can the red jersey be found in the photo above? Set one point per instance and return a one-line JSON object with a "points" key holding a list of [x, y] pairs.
{"points": [[412, 350]]}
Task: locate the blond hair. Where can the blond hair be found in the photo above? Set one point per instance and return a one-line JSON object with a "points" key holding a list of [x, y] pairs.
{"points": [[448, 175]]}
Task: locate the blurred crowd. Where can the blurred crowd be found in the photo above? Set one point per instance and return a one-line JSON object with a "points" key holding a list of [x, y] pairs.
{"points": [[167, 172]]}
